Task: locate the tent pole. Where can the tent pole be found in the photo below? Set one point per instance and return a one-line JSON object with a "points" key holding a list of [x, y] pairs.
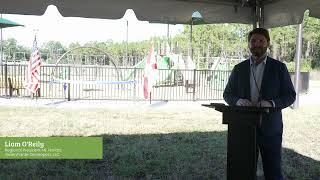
{"points": [[1, 55], [297, 65], [258, 15], [254, 17], [168, 36], [190, 41], [261, 16], [1, 47]]}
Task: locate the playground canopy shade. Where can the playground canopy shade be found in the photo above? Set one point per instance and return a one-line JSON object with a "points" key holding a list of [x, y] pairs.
{"points": [[196, 19], [275, 12], [4, 23]]}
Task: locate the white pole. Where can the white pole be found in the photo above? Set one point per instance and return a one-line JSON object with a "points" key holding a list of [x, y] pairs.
{"points": [[190, 42], [168, 33], [1, 48], [297, 67], [168, 39], [127, 35], [1, 54]]}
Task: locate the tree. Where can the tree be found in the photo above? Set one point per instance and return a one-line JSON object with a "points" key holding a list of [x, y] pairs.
{"points": [[283, 42], [311, 35], [14, 51], [51, 51], [53, 47]]}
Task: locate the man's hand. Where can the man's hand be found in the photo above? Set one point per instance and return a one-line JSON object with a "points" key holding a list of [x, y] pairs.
{"points": [[264, 103], [243, 102]]}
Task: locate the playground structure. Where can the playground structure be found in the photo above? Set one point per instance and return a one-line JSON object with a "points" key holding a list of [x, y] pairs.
{"points": [[78, 61], [176, 63], [86, 76]]}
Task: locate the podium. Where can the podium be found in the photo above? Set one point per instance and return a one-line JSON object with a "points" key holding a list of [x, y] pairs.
{"points": [[241, 148]]}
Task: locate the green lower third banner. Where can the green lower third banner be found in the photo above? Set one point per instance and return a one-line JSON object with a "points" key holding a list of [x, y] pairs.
{"points": [[51, 148]]}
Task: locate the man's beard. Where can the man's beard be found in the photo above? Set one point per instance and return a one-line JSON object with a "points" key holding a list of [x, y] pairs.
{"points": [[258, 51]]}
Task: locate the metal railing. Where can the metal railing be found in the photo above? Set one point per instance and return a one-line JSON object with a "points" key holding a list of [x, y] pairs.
{"points": [[109, 83]]}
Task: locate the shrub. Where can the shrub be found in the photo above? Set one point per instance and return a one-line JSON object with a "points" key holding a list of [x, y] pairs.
{"points": [[305, 65]]}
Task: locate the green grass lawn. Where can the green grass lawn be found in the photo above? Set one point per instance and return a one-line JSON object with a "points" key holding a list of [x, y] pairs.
{"points": [[152, 143]]}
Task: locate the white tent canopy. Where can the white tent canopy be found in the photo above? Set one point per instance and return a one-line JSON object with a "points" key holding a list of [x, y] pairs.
{"points": [[262, 13], [275, 12]]}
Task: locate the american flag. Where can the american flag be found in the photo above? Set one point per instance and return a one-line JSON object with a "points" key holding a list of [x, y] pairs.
{"points": [[33, 69]]}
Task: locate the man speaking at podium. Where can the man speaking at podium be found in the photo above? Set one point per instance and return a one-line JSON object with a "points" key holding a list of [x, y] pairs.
{"points": [[263, 82]]}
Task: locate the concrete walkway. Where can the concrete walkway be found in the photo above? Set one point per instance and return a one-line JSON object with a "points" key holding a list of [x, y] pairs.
{"points": [[310, 98]]}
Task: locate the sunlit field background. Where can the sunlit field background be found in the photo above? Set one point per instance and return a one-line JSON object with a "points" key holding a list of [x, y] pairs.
{"points": [[164, 140]]}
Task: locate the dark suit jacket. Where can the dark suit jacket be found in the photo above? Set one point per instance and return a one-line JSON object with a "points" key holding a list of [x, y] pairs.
{"points": [[276, 85]]}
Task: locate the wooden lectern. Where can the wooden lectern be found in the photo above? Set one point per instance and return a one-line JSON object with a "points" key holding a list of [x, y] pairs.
{"points": [[241, 148]]}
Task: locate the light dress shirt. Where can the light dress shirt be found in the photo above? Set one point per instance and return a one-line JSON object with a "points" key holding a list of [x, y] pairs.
{"points": [[256, 75]]}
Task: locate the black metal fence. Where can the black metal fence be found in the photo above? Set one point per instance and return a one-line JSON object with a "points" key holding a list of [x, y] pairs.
{"points": [[109, 83]]}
